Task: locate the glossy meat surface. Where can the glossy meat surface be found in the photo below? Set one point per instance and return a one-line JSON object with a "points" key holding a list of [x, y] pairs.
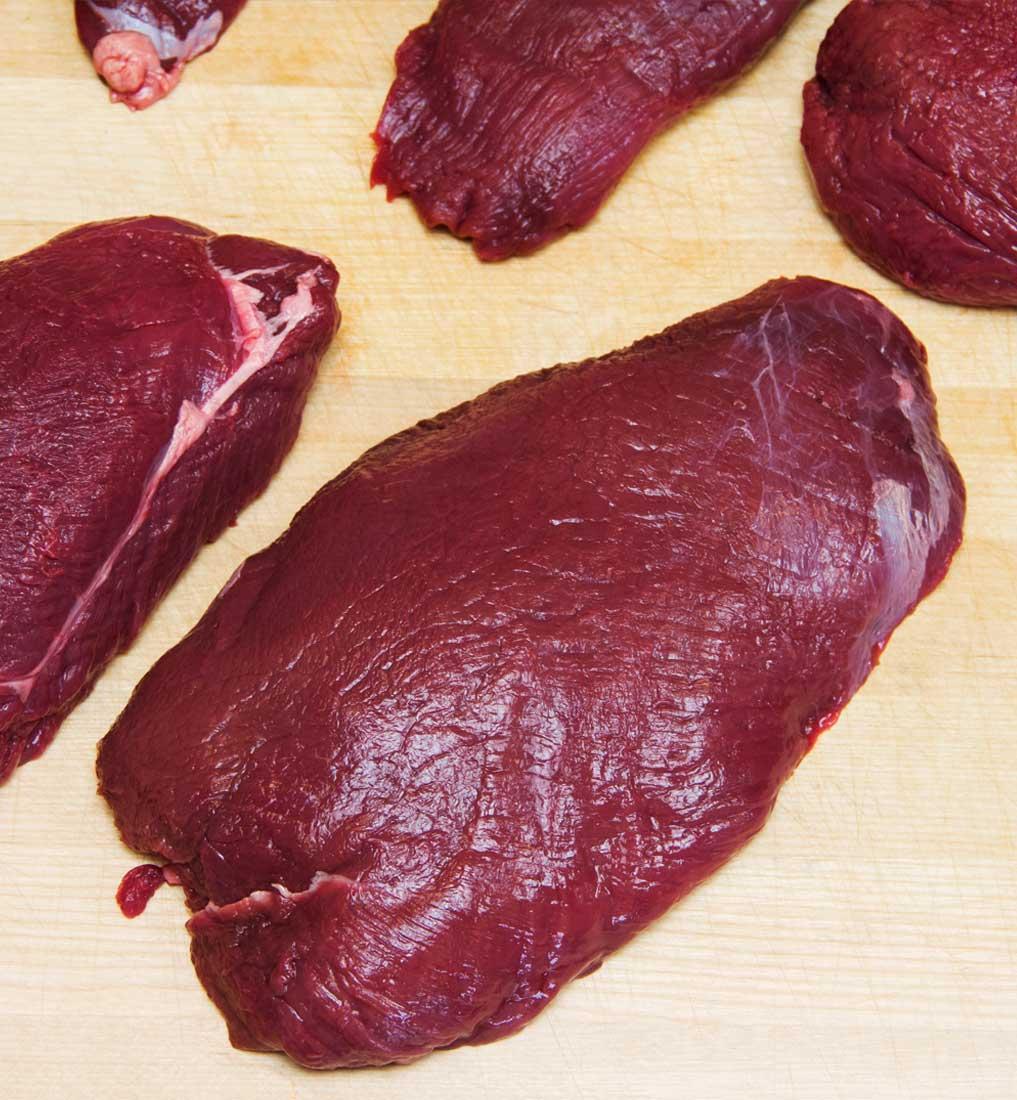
{"points": [[525, 674], [140, 47], [510, 123], [910, 133], [152, 376]]}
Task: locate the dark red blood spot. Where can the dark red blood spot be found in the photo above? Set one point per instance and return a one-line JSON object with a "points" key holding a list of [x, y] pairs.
{"points": [[137, 887]]}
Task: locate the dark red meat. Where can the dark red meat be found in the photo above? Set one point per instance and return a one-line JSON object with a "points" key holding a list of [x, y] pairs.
{"points": [[525, 674], [152, 376], [510, 123], [137, 888], [140, 47], [910, 133]]}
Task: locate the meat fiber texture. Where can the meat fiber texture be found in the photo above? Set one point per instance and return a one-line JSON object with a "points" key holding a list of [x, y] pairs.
{"points": [[522, 676], [510, 123], [909, 131], [140, 47], [152, 377]]}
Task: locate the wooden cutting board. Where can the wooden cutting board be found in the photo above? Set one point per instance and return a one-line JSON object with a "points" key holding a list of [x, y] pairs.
{"points": [[864, 947]]}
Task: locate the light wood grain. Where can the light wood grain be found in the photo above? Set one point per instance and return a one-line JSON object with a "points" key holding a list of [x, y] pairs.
{"points": [[864, 947]]}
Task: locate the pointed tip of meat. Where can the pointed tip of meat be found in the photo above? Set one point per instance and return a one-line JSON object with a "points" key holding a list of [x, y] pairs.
{"points": [[509, 124], [128, 63], [140, 47]]}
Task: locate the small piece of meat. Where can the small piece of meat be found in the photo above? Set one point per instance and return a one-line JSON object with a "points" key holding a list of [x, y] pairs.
{"points": [[527, 673], [140, 47], [137, 888], [510, 123], [910, 130], [152, 377]]}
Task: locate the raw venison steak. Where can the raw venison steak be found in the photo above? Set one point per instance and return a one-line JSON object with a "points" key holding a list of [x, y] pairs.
{"points": [[911, 133], [524, 675], [140, 47], [510, 123], [152, 376]]}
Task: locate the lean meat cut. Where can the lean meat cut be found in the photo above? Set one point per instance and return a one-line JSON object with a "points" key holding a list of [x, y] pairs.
{"points": [[152, 377], [140, 47], [524, 675], [510, 123], [910, 133]]}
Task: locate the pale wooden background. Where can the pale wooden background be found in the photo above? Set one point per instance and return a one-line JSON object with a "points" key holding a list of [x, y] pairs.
{"points": [[864, 947]]}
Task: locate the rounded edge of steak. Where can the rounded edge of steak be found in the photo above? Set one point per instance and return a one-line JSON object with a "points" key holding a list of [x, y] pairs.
{"points": [[909, 131]]}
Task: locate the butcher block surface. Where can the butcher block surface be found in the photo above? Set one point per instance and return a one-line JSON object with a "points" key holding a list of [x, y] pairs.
{"points": [[865, 946]]}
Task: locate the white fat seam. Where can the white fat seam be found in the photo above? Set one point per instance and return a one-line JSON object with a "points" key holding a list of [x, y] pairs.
{"points": [[202, 36], [277, 890], [908, 535], [191, 424], [319, 880], [242, 276]]}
